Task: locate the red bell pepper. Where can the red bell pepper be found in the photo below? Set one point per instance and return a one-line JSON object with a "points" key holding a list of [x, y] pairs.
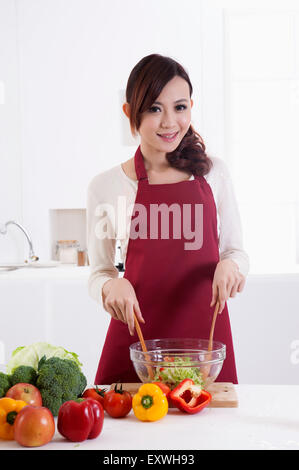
{"points": [[189, 397], [80, 419]]}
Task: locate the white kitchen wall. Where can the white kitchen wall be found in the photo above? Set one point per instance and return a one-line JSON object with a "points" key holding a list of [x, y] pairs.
{"points": [[74, 59], [11, 191], [63, 70]]}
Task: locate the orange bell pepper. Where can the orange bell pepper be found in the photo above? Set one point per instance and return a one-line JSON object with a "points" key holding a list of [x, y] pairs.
{"points": [[9, 409]]}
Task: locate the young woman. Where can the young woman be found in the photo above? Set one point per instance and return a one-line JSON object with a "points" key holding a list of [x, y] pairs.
{"points": [[170, 283]]}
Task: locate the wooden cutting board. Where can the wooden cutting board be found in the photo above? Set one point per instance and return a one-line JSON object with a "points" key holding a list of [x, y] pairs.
{"points": [[223, 393]]}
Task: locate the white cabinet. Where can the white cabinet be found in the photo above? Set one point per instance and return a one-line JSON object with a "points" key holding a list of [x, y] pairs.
{"points": [[58, 311]]}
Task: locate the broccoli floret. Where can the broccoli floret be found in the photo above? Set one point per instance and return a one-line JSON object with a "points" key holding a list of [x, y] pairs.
{"points": [[23, 374], [51, 401], [59, 380], [5, 384]]}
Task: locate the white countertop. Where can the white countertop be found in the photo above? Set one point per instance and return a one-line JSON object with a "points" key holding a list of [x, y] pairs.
{"points": [[72, 271], [63, 271], [267, 418]]}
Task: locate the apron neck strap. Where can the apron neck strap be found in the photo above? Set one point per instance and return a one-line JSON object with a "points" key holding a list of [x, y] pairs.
{"points": [[139, 165], [140, 168]]}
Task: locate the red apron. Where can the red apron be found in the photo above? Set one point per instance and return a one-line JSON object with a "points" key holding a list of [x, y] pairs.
{"points": [[173, 285]]}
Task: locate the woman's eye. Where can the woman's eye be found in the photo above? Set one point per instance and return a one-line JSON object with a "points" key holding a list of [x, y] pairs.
{"points": [[179, 107], [153, 108]]}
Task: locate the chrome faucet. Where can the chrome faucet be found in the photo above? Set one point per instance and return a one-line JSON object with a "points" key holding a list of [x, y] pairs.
{"points": [[3, 231]]}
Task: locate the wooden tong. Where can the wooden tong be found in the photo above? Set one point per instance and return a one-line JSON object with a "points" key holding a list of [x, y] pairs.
{"points": [[206, 369], [210, 346], [144, 349]]}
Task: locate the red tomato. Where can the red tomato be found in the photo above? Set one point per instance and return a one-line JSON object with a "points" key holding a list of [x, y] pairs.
{"points": [[34, 426], [117, 402], [165, 389], [169, 359], [95, 393]]}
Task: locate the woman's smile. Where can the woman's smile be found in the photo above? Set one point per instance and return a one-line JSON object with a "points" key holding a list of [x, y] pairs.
{"points": [[168, 137]]}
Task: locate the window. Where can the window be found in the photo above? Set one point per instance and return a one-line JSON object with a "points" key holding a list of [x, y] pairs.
{"points": [[261, 119]]}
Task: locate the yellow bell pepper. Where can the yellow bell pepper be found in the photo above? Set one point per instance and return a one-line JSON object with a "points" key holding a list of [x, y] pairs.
{"points": [[149, 403], [9, 409]]}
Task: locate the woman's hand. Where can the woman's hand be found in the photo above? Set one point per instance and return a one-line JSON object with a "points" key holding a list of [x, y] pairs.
{"points": [[226, 283], [119, 299]]}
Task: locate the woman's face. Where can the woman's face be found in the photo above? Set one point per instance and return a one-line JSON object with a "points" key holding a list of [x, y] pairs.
{"points": [[165, 124]]}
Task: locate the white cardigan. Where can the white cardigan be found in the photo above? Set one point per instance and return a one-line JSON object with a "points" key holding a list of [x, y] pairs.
{"points": [[108, 186]]}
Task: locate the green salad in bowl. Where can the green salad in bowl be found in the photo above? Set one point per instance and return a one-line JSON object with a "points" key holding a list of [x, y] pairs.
{"points": [[172, 360], [178, 369]]}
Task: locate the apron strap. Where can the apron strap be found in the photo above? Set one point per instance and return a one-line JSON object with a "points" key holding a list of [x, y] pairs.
{"points": [[139, 165], [140, 168]]}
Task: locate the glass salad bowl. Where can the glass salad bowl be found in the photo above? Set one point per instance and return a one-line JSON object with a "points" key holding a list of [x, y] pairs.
{"points": [[172, 360]]}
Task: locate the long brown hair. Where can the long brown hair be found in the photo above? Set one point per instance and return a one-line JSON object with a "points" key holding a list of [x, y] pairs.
{"points": [[145, 83]]}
